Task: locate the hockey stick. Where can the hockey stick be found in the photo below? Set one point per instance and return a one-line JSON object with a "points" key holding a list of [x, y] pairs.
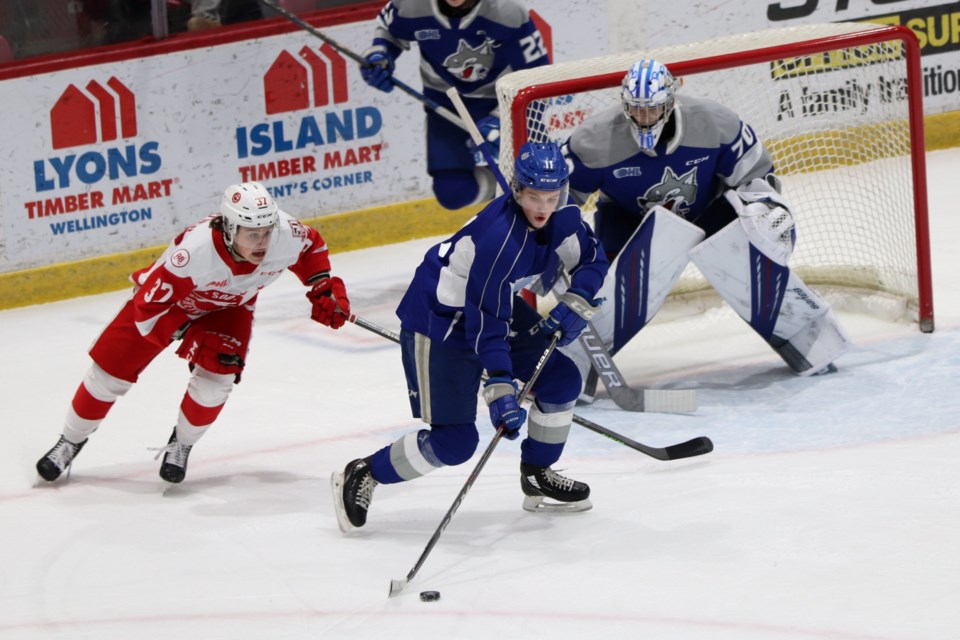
{"points": [[689, 449], [437, 108], [477, 138], [396, 586], [695, 447], [626, 397]]}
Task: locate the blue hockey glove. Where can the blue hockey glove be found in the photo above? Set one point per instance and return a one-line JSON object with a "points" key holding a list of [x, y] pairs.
{"points": [[489, 127], [570, 317], [500, 395], [377, 70]]}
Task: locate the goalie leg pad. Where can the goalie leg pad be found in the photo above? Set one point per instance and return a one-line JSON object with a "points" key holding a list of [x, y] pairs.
{"points": [[774, 301], [643, 274], [808, 336]]}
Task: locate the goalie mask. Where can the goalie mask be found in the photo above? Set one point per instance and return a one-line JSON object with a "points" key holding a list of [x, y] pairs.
{"points": [[648, 94], [248, 204], [541, 166]]}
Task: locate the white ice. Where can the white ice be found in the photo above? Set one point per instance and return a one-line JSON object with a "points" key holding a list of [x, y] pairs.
{"points": [[829, 509]]}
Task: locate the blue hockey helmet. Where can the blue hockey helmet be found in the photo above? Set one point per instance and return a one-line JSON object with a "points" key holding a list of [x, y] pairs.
{"points": [[541, 166], [648, 93]]}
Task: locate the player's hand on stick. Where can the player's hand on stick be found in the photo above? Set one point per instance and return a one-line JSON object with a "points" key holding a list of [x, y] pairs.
{"points": [[570, 317], [489, 127], [377, 70], [330, 303], [215, 352], [500, 394]]}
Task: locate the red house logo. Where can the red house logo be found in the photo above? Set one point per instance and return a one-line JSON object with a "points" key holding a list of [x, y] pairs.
{"points": [[99, 114], [293, 83]]}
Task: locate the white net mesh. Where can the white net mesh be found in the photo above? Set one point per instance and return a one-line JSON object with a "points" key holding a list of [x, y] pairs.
{"points": [[834, 120]]}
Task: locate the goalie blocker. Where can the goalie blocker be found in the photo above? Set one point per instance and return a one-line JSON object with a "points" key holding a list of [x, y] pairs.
{"points": [[745, 262]]}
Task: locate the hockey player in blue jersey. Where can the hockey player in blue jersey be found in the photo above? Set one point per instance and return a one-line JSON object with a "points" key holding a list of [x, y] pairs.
{"points": [[466, 44], [461, 315], [683, 178]]}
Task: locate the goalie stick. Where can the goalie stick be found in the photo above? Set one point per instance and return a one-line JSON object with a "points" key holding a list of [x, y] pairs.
{"points": [[626, 397], [396, 586], [437, 108], [695, 447]]}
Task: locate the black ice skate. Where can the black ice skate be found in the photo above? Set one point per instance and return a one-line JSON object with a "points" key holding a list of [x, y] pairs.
{"points": [[58, 459], [543, 482], [175, 454], [352, 494]]}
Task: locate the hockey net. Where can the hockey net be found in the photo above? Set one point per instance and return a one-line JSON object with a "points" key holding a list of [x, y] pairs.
{"points": [[839, 106]]}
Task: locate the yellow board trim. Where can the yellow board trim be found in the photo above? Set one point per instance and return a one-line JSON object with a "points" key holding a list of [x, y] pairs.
{"points": [[342, 231]]}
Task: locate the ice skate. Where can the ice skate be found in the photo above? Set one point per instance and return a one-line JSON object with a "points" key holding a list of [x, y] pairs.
{"points": [[175, 454], [538, 483], [352, 494], [58, 459]]}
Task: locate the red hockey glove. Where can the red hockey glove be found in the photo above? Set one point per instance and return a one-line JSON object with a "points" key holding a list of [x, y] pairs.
{"points": [[216, 352], [330, 303]]}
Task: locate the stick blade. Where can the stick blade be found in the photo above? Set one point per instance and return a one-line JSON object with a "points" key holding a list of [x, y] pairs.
{"points": [[396, 586], [689, 449]]}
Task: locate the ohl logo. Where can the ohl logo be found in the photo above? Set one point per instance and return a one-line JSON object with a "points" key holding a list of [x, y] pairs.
{"points": [[74, 120], [289, 84]]}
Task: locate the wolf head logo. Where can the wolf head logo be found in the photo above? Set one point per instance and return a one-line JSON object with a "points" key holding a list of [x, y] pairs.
{"points": [[674, 192], [470, 64]]}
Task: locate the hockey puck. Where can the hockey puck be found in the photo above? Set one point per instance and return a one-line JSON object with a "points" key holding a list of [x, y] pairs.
{"points": [[429, 596]]}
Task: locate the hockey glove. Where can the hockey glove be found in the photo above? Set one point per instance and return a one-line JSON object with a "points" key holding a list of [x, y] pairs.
{"points": [[330, 303], [500, 395], [489, 127], [377, 70], [570, 317], [215, 352]]}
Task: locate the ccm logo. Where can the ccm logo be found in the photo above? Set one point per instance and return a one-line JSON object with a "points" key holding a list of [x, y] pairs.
{"points": [[99, 114], [292, 84]]}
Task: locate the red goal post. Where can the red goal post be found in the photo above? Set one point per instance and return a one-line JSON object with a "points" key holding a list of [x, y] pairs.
{"points": [[840, 108]]}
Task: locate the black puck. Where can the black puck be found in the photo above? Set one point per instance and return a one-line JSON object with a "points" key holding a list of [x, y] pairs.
{"points": [[429, 596]]}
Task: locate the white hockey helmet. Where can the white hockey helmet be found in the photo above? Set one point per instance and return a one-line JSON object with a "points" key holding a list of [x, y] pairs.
{"points": [[648, 93], [248, 204]]}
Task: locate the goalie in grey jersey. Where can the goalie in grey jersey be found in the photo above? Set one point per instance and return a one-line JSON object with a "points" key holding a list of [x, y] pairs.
{"points": [[683, 179]]}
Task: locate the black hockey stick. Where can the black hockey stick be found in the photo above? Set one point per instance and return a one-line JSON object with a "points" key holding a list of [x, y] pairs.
{"points": [[689, 449], [396, 586], [696, 447], [437, 108]]}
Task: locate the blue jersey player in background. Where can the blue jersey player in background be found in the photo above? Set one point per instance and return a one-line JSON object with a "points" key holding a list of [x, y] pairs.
{"points": [[461, 315], [466, 44], [684, 179]]}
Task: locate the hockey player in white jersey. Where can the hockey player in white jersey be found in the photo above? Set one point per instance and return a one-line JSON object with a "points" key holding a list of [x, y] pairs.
{"points": [[203, 291], [683, 178], [466, 44]]}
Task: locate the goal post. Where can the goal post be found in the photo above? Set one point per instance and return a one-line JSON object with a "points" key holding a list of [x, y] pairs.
{"points": [[840, 108]]}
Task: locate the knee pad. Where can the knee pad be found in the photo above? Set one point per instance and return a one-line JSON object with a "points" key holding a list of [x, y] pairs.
{"points": [[453, 444], [455, 189], [103, 386], [209, 389]]}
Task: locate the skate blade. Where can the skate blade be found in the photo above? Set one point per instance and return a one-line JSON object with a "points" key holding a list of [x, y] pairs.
{"points": [[537, 504], [336, 486]]}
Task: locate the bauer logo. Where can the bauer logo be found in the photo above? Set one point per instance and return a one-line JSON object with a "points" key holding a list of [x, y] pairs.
{"points": [[293, 83], [98, 114]]}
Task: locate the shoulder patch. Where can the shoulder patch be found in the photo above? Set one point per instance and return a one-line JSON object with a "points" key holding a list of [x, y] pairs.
{"points": [[180, 258]]}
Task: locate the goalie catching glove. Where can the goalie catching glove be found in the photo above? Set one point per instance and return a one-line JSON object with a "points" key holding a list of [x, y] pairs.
{"points": [[330, 303], [500, 394], [570, 317]]}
